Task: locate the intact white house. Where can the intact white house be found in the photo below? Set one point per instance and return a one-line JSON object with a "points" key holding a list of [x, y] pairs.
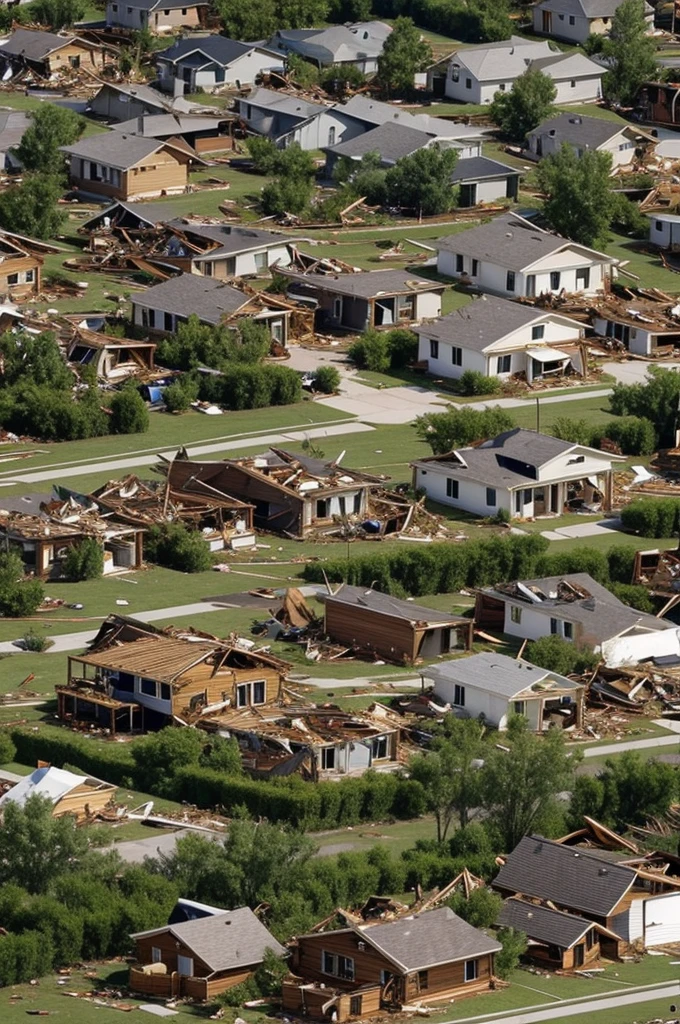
{"points": [[577, 609], [575, 20], [493, 687], [476, 74], [501, 338], [622, 141], [523, 472], [512, 257]]}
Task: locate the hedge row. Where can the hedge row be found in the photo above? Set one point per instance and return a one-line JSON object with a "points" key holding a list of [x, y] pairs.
{"points": [[326, 805], [652, 517], [24, 957]]}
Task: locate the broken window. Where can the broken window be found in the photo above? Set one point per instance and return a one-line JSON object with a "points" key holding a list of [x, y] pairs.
{"points": [[355, 1006], [423, 981], [328, 758], [379, 747], [322, 509]]}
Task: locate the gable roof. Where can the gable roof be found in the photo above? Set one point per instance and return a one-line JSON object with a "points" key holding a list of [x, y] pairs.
{"points": [[38, 45], [568, 877], [587, 8], [368, 284], [482, 322], [337, 44], [371, 111], [512, 242], [568, 65], [542, 924], [234, 938], [505, 59], [107, 148], [284, 103], [153, 98], [51, 783], [586, 132], [392, 141], [230, 237], [495, 673], [158, 126], [191, 293], [426, 940], [477, 168], [147, 213], [216, 49], [361, 598]]}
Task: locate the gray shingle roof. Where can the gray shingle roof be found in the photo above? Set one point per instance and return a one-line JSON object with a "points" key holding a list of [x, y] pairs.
{"points": [[392, 141], [13, 124], [568, 65], [335, 45], [601, 615], [152, 98], [586, 8], [542, 924], [424, 940], [374, 112], [232, 239], [482, 323], [217, 49], [479, 168], [168, 5], [158, 126], [361, 597], [503, 60], [569, 877], [192, 293], [235, 938], [114, 149], [493, 673], [508, 241], [585, 132], [283, 103], [147, 213], [37, 45], [369, 283]]}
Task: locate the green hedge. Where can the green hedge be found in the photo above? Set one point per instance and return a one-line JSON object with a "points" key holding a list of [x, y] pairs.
{"points": [[652, 517], [111, 762]]}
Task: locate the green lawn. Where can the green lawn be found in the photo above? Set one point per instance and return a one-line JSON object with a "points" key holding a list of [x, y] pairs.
{"points": [[395, 838], [644, 263]]}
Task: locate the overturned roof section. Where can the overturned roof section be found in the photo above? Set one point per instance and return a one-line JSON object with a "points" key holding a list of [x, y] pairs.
{"points": [[368, 284], [52, 784], [38, 45]]}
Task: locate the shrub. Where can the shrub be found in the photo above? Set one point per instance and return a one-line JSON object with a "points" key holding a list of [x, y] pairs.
{"points": [[177, 398], [35, 642], [576, 431], [558, 655], [634, 435], [19, 597], [8, 750], [403, 347], [327, 380], [634, 596], [84, 561], [129, 414], [472, 382], [371, 351], [176, 547], [652, 517]]}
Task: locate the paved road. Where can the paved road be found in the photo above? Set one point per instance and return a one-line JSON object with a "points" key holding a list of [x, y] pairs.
{"points": [[572, 1008], [603, 749], [159, 841]]}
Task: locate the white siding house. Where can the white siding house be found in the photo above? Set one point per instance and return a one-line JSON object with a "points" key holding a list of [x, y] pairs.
{"points": [[623, 142], [210, 63], [664, 230], [575, 20]]}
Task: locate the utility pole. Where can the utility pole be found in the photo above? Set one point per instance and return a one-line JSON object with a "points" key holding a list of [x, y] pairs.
{"points": [[538, 416]]}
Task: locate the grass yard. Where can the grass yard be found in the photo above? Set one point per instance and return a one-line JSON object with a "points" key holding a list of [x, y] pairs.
{"points": [[644, 264], [395, 838]]}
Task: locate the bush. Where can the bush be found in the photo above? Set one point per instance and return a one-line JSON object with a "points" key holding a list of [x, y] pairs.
{"points": [[246, 386], [576, 431], [84, 561], [472, 382], [35, 642], [514, 945], [19, 597], [634, 596], [457, 427], [561, 656], [129, 414], [177, 547], [177, 397], [652, 517], [634, 435], [8, 750], [327, 380], [371, 351]]}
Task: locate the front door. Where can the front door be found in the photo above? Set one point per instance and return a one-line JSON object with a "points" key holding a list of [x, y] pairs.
{"points": [[547, 22], [468, 195], [578, 955], [531, 286]]}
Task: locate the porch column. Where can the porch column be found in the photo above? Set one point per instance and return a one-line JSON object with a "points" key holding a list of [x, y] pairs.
{"points": [[608, 491]]}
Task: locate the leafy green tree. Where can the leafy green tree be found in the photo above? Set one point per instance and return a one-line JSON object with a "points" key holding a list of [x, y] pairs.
{"points": [[7, 748], [159, 756], [480, 909], [301, 71], [341, 12], [292, 189], [514, 945], [244, 21], [129, 414], [636, 790], [371, 351], [51, 127], [587, 798], [177, 397], [456, 427], [36, 358], [31, 207], [35, 846], [520, 784], [656, 400], [631, 52], [263, 153], [450, 774], [327, 380], [338, 79], [422, 181], [404, 54], [177, 547], [19, 597], [633, 596], [84, 561], [301, 13], [576, 431], [579, 201], [561, 656], [529, 102], [57, 14]]}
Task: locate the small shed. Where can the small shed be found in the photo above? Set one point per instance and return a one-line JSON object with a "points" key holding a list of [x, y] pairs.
{"points": [[399, 631], [80, 795]]}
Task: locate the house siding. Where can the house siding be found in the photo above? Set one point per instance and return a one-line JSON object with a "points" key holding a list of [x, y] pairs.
{"points": [[471, 496], [213, 77], [491, 277], [622, 152], [160, 174], [120, 15]]}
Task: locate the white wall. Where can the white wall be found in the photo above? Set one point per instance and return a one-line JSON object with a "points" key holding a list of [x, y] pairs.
{"points": [[471, 495], [628, 650], [428, 305], [477, 702], [534, 624], [245, 261], [562, 28], [443, 366], [563, 468], [491, 277], [641, 342], [583, 90], [665, 233], [316, 133]]}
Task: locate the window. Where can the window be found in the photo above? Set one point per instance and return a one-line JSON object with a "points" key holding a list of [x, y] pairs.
{"points": [[583, 278], [503, 364], [74, 61], [156, 955], [379, 747], [460, 267], [249, 112], [456, 356], [357, 503], [250, 693], [554, 628], [185, 966], [331, 135], [475, 268], [208, 268], [561, 17], [471, 970], [572, 19], [338, 966], [455, 72], [555, 278], [434, 349], [423, 981], [355, 1006], [322, 509], [568, 630], [459, 695], [342, 506], [572, 84], [501, 87], [145, 317], [261, 261], [337, 309], [148, 687], [451, 488], [590, 939], [328, 758], [114, 7], [491, 497], [12, 279], [30, 276], [166, 691], [515, 614], [167, 321], [510, 281], [658, 226], [520, 707], [468, 83]]}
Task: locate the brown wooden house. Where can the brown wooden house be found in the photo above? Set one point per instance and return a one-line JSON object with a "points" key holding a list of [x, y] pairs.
{"points": [[398, 631], [129, 166], [77, 795], [47, 53], [557, 940], [203, 957], [361, 970], [20, 269]]}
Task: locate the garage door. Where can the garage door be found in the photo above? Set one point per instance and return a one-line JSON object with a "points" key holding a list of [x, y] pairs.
{"points": [[662, 920]]}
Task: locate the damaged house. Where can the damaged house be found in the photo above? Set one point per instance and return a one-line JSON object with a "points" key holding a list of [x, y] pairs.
{"points": [[493, 687], [503, 339], [135, 677], [512, 257], [46, 54], [291, 494], [114, 359], [21, 261], [527, 473], [44, 529], [222, 250], [556, 940], [398, 631], [640, 906], [624, 142], [199, 132], [367, 969], [78, 795], [360, 301], [156, 15], [580, 610], [643, 326], [210, 63]]}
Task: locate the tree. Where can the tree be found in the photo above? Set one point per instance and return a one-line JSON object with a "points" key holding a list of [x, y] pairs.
{"points": [[520, 784], [631, 52], [371, 350], [480, 909], [529, 102], [242, 21], [656, 400], [404, 54], [450, 773], [514, 945], [160, 755], [340, 78], [301, 71], [51, 127], [19, 597], [178, 397], [576, 431], [84, 561], [129, 414], [263, 153], [175, 546], [35, 847], [57, 14], [558, 655], [579, 202], [7, 748], [292, 189], [456, 428], [31, 207], [422, 181], [635, 790]]}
